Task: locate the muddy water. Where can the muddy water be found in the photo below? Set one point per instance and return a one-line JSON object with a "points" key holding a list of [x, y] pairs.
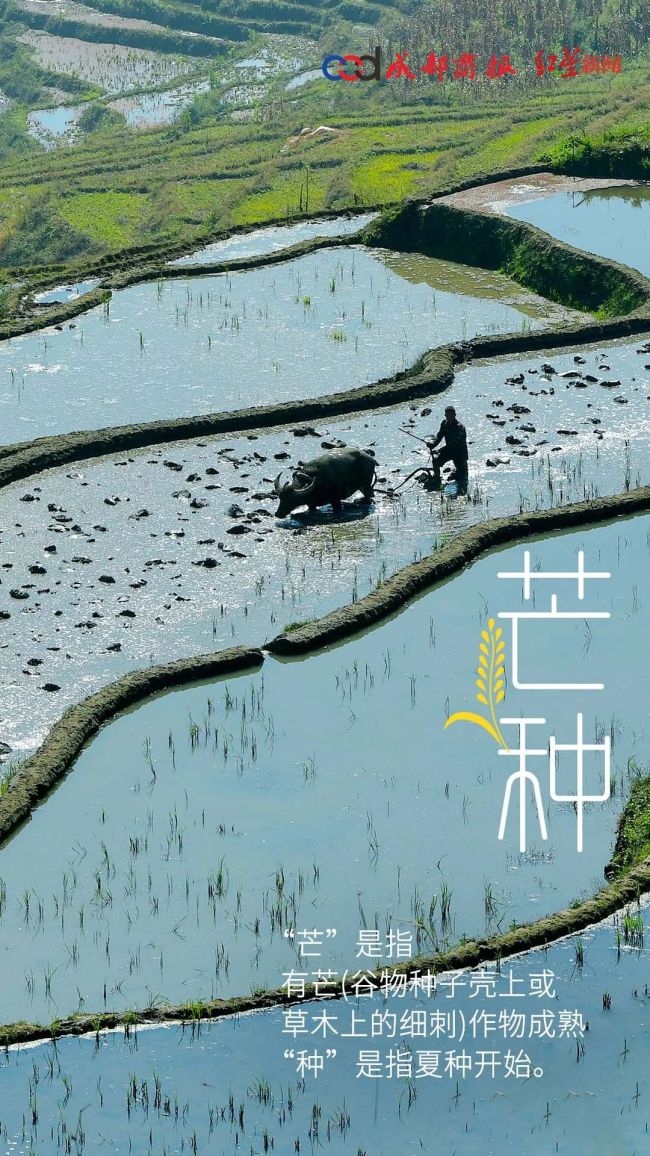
{"points": [[151, 520], [420, 270], [612, 222], [198, 826], [333, 319], [274, 238], [594, 1102]]}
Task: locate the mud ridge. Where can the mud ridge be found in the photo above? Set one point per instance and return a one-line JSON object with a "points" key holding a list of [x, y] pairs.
{"points": [[466, 547], [432, 373], [518, 940], [38, 774], [61, 747]]}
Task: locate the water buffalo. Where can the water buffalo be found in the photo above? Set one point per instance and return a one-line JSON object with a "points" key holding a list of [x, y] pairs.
{"points": [[326, 480]]}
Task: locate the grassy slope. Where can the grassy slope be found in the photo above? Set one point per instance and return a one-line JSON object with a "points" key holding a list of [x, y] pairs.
{"points": [[120, 189]]}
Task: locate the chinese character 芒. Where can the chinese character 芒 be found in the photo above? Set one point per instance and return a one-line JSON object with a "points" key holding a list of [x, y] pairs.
{"points": [[309, 941], [529, 576]]}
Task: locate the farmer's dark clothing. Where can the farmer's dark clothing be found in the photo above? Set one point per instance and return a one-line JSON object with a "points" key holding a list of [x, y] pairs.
{"points": [[455, 450], [455, 436]]}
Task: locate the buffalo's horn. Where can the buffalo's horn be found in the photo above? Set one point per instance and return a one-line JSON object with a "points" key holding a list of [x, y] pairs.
{"points": [[309, 487], [276, 484]]}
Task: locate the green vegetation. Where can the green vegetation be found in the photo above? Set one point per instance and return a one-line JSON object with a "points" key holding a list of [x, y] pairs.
{"points": [[19, 78], [112, 219], [391, 176], [526, 255], [14, 138], [597, 26], [448, 26], [115, 188], [281, 198], [215, 176], [235, 19], [39, 228], [291, 626], [7, 775], [625, 149], [97, 117], [633, 837]]}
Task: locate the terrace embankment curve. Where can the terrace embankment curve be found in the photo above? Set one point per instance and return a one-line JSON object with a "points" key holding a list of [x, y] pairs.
{"points": [[39, 774], [156, 253], [529, 255], [617, 297]]}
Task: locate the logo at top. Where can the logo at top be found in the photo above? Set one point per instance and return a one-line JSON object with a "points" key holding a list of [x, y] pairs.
{"points": [[339, 67]]}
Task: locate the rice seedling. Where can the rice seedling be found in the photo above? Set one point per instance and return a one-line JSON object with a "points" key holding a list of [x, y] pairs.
{"points": [[445, 910], [579, 950]]}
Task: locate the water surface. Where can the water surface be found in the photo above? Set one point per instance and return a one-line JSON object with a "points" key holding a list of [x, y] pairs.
{"points": [[327, 321], [52, 126], [303, 78], [590, 1096], [188, 502], [152, 109], [612, 222], [201, 825], [62, 293], [271, 239]]}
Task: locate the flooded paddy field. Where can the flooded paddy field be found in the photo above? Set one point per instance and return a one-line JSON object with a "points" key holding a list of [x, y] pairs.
{"points": [[112, 67], [227, 1088], [69, 292], [303, 78], [204, 823], [121, 71], [142, 557], [56, 126], [333, 319], [612, 222], [51, 126], [273, 238], [153, 109]]}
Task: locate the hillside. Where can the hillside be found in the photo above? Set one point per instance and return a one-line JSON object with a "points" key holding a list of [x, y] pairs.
{"points": [[148, 122]]}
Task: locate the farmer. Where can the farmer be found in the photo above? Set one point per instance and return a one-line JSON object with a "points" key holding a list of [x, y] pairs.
{"points": [[455, 448]]}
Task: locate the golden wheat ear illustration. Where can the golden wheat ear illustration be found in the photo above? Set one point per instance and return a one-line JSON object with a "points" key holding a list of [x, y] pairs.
{"points": [[491, 683]]}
